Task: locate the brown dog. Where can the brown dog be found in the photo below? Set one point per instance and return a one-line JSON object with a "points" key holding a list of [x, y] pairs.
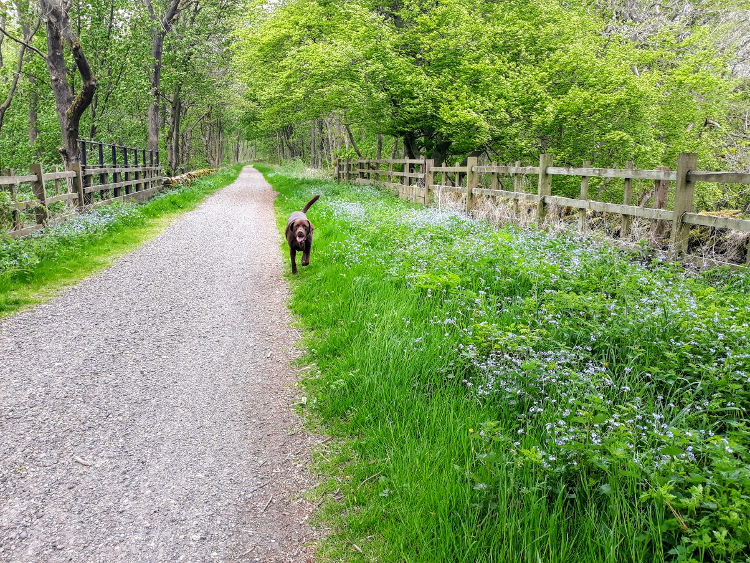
{"points": [[299, 235]]}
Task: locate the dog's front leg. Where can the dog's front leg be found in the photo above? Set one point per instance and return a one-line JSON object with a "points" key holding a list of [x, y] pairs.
{"points": [[293, 256], [306, 252]]}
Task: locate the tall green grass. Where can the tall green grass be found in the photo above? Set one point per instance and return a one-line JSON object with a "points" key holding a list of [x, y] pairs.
{"points": [[509, 395], [34, 268]]}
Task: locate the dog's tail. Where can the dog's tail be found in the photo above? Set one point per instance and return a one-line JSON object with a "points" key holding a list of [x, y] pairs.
{"points": [[309, 204]]}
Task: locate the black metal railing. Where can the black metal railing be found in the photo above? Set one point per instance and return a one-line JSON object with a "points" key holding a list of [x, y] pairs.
{"points": [[97, 153]]}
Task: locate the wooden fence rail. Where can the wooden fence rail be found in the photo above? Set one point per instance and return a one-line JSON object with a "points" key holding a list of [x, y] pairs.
{"points": [[420, 179], [87, 185]]}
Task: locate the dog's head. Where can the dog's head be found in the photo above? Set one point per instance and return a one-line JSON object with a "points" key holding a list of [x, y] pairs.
{"points": [[298, 231]]}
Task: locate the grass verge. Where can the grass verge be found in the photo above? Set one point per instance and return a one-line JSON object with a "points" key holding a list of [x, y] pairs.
{"points": [[35, 268], [512, 395]]}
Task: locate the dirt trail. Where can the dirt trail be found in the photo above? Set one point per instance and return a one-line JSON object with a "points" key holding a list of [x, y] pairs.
{"points": [[145, 414]]}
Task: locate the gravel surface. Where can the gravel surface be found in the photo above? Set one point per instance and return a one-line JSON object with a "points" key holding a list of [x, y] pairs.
{"points": [[145, 413]]}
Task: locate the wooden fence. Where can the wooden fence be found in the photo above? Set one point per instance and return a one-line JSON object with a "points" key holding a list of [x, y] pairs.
{"points": [[420, 178], [122, 177]]}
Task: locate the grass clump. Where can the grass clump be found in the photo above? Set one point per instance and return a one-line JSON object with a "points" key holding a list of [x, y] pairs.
{"points": [[512, 395], [34, 268]]}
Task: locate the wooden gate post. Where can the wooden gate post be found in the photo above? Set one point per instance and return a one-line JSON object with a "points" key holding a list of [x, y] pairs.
{"points": [[683, 201], [40, 193], [471, 182], [545, 187]]}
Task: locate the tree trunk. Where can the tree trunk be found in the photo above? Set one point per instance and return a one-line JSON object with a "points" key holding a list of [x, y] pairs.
{"points": [[410, 143], [173, 142], [69, 108], [321, 145], [159, 31], [33, 109], [440, 151], [28, 35], [14, 84], [351, 139]]}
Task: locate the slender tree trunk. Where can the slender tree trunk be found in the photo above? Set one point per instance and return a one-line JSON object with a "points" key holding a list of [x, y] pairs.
{"points": [[5, 105], [155, 78], [394, 148], [160, 29], [321, 145], [351, 140], [173, 142], [28, 35], [380, 147], [33, 111]]}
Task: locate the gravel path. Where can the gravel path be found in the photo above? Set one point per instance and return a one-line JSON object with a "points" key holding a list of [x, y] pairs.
{"points": [[145, 414]]}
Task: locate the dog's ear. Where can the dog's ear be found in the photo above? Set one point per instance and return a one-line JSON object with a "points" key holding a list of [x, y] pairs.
{"points": [[290, 228], [309, 224]]}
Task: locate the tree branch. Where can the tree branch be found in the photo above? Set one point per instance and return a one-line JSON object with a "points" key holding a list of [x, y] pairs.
{"points": [[84, 97], [150, 9], [21, 42]]}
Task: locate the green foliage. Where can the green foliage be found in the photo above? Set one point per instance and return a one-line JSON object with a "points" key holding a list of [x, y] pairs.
{"points": [[518, 396], [116, 39], [508, 79]]}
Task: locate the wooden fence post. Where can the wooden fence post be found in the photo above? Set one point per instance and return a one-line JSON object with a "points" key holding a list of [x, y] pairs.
{"points": [[15, 214], [57, 181], [78, 183], [336, 173], [429, 179], [471, 182], [661, 191], [683, 201], [627, 199], [545, 187], [346, 170], [40, 193], [517, 178], [584, 195]]}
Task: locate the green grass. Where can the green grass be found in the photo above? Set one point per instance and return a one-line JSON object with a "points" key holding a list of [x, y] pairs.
{"points": [[34, 269], [508, 395]]}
